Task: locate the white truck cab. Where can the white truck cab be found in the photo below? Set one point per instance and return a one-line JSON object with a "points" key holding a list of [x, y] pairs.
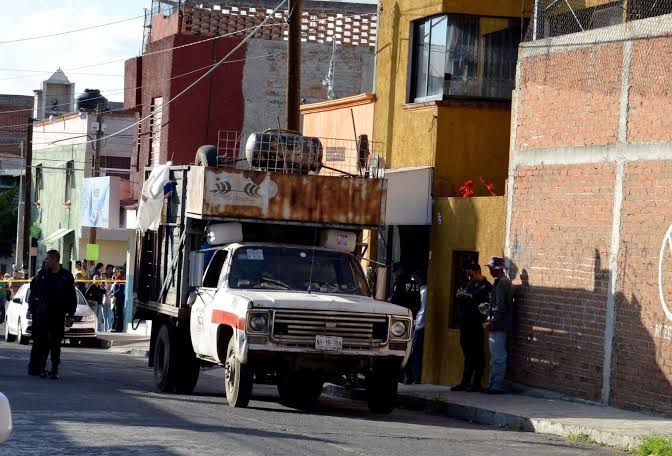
{"points": [[299, 315]]}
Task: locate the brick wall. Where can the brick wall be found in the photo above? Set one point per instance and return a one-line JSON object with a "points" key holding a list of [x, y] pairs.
{"points": [[561, 229], [650, 102], [642, 359], [590, 206], [558, 109], [14, 113]]}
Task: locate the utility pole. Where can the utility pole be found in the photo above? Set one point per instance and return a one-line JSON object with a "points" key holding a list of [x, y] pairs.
{"points": [[18, 256], [294, 66], [96, 161], [27, 199]]}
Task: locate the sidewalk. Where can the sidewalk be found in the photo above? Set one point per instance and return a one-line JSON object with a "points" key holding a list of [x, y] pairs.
{"points": [[524, 412], [127, 343]]}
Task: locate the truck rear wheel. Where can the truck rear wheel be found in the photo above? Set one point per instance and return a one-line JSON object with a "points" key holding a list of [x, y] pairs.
{"points": [[189, 369], [301, 391], [381, 388], [165, 360], [238, 378]]}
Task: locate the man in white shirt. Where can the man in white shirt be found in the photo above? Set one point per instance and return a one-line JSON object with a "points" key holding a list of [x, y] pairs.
{"points": [[419, 333]]}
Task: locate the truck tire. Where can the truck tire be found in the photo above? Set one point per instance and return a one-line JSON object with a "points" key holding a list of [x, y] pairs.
{"points": [[301, 391], [189, 368], [381, 388], [206, 156], [238, 378], [165, 360]]}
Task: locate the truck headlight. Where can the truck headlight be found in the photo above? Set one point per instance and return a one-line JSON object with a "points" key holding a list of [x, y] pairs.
{"points": [[89, 317], [258, 321], [398, 329]]}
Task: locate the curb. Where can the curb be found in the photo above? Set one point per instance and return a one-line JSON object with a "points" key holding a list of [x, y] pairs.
{"points": [[439, 406], [136, 352]]}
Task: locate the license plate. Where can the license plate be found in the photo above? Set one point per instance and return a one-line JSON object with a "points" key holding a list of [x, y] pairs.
{"points": [[328, 343]]}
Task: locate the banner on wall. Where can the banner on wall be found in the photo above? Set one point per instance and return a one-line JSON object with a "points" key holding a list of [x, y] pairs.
{"points": [[100, 202]]}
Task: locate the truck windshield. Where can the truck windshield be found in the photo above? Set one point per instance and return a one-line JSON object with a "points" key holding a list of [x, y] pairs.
{"points": [[292, 268]]}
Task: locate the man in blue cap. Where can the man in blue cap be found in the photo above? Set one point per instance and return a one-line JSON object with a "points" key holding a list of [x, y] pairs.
{"points": [[499, 324]]}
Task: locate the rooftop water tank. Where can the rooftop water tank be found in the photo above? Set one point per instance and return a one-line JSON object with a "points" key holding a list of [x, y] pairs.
{"points": [[284, 151], [90, 100]]}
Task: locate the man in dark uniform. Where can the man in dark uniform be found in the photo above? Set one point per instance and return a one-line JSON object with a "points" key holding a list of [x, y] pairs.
{"points": [[476, 292], [52, 298]]}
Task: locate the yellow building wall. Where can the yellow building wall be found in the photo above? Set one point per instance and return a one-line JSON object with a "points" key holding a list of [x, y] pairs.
{"points": [[472, 224], [472, 142], [418, 134]]}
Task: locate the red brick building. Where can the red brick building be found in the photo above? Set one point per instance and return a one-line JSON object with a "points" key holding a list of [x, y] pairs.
{"points": [[589, 216], [15, 110], [247, 93]]}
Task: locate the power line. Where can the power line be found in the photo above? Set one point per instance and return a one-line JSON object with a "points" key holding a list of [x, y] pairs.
{"points": [[30, 38], [22, 70], [202, 77], [148, 53], [157, 82], [65, 113]]}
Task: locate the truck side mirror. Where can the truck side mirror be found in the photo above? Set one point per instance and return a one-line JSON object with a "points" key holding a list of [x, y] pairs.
{"points": [[5, 418], [196, 269]]}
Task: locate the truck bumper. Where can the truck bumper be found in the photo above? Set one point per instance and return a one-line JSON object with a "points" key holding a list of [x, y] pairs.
{"points": [[300, 358]]}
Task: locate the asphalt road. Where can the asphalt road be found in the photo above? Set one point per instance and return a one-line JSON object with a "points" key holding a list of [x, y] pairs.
{"points": [[105, 404]]}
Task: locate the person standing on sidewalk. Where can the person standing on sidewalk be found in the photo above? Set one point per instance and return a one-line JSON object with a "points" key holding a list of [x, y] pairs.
{"points": [[419, 333], [108, 315], [119, 298], [476, 292], [499, 324], [52, 299], [95, 294]]}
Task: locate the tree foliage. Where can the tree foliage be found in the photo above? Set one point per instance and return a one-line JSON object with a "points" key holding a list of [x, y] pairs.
{"points": [[8, 219]]}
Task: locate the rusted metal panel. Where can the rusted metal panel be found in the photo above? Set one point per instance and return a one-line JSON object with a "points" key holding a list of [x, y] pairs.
{"points": [[229, 193]]}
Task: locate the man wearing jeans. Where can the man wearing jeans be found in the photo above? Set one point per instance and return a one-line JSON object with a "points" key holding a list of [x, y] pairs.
{"points": [[500, 323]]}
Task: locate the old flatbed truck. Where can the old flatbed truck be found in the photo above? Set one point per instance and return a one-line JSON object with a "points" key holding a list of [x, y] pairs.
{"points": [[259, 271]]}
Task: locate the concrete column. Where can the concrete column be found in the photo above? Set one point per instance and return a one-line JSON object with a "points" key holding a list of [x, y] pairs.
{"points": [[130, 269], [610, 317]]}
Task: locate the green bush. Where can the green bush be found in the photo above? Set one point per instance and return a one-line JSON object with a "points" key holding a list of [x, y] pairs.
{"points": [[655, 445]]}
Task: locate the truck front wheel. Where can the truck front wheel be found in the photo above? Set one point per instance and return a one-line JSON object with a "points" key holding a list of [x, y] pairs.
{"points": [[238, 378], [381, 388], [164, 360]]}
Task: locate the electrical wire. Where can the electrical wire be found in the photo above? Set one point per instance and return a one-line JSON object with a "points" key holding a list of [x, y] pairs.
{"points": [[23, 70], [2, 127], [38, 37], [195, 43], [201, 78], [158, 82]]}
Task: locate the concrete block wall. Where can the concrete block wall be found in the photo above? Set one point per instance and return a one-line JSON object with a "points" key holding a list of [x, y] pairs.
{"points": [[589, 215]]}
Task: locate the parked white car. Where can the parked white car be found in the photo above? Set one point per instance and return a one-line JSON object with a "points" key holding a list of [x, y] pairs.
{"points": [[18, 326], [5, 418]]}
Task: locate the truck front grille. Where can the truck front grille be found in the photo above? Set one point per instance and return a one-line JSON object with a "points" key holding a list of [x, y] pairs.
{"points": [[299, 328]]}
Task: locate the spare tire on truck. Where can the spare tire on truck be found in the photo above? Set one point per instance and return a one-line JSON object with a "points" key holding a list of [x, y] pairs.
{"points": [[206, 156]]}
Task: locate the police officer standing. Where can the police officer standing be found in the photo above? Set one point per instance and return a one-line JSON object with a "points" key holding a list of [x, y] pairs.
{"points": [[52, 298]]}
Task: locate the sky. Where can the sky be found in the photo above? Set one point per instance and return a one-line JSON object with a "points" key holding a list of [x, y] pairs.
{"points": [[28, 18]]}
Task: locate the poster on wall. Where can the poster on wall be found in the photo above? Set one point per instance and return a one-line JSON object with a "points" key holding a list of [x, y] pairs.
{"points": [[96, 202]]}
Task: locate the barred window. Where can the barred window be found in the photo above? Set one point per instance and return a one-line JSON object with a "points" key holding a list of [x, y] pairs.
{"points": [[463, 56]]}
